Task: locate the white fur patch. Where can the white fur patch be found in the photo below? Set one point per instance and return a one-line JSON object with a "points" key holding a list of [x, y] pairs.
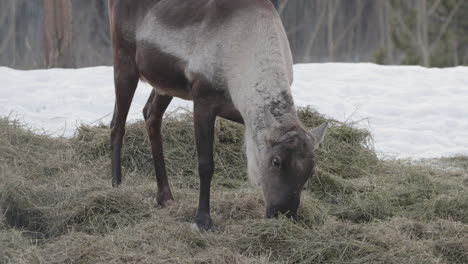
{"points": [[194, 228], [252, 165]]}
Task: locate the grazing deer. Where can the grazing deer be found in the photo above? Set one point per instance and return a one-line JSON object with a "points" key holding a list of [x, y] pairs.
{"points": [[233, 60]]}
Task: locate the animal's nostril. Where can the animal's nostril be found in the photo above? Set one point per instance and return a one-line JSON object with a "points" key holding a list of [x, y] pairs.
{"points": [[272, 214], [288, 213]]}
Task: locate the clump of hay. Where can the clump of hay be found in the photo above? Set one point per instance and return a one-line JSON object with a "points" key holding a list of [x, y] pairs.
{"points": [[179, 147], [15, 247], [453, 207], [245, 204], [33, 156], [345, 153], [101, 210], [21, 207], [338, 242], [47, 213]]}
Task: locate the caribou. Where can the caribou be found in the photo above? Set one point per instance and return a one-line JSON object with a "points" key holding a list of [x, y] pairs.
{"points": [[233, 60]]}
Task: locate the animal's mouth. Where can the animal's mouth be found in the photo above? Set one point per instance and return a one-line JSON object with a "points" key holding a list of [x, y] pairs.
{"points": [[276, 211]]}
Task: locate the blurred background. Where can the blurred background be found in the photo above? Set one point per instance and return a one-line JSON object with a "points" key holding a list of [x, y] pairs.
{"points": [[74, 33]]}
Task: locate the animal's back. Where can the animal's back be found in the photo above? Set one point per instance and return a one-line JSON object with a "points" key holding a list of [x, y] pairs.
{"points": [[127, 16], [185, 13]]}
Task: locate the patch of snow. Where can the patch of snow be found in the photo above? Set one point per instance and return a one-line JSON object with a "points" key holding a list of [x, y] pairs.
{"points": [[411, 111]]}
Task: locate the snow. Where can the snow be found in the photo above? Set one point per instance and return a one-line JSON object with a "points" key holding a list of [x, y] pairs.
{"points": [[411, 111]]}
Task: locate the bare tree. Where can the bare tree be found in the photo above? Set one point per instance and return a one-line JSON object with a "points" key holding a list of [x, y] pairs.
{"points": [[58, 33], [91, 38], [314, 33], [38, 34], [419, 32], [7, 18], [423, 32], [280, 5], [332, 8]]}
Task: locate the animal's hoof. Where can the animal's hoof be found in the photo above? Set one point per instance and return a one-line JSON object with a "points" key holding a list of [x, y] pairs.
{"points": [[164, 199], [202, 223], [165, 203]]}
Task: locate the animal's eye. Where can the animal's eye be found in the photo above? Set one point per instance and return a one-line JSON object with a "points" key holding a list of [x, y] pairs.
{"points": [[276, 161]]}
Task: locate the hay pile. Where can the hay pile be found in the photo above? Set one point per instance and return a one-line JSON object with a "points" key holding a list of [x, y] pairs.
{"points": [[57, 206]]}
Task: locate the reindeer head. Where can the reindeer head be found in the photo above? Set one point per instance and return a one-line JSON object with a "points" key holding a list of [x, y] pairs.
{"points": [[285, 163]]}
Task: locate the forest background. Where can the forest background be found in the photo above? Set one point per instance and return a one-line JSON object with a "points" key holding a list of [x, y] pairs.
{"points": [[74, 33]]}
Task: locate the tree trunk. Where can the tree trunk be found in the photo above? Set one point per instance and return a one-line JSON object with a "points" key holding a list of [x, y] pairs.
{"points": [[456, 61], [8, 39], [388, 33], [58, 33], [330, 31], [423, 32]]}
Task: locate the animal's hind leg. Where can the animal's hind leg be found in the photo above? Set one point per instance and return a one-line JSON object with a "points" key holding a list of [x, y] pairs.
{"points": [[126, 80], [153, 113]]}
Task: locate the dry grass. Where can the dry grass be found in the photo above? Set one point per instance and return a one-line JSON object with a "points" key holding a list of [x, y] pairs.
{"points": [[57, 206]]}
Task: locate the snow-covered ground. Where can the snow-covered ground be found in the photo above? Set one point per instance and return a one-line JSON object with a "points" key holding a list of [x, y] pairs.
{"points": [[411, 111]]}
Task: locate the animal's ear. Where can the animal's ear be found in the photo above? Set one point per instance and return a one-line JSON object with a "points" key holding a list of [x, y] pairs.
{"points": [[318, 133], [269, 119]]}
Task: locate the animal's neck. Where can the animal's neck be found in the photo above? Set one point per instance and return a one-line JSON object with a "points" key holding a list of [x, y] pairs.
{"points": [[262, 84], [269, 93], [280, 106], [257, 129], [274, 96]]}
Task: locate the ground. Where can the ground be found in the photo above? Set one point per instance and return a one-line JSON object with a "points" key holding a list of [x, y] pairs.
{"points": [[57, 204]]}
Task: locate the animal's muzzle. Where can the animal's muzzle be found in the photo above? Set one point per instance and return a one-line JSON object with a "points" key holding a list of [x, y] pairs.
{"points": [[274, 212], [288, 209]]}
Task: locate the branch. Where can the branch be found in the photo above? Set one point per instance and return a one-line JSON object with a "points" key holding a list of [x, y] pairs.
{"points": [[282, 6], [350, 25], [434, 6], [315, 33], [10, 11], [447, 23], [404, 26]]}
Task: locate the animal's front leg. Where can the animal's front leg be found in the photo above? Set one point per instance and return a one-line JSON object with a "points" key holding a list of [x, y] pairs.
{"points": [[126, 81], [204, 121]]}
